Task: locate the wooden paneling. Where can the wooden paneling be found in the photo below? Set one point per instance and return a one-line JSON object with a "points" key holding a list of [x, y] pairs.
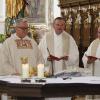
{"points": [[72, 3]]}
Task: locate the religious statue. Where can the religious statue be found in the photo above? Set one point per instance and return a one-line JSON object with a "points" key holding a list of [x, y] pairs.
{"points": [[87, 29], [97, 20], [69, 23], [96, 23], [87, 21], [76, 28], [78, 20]]}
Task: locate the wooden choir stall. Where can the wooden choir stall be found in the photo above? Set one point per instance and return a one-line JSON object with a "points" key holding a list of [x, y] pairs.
{"points": [[82, 20]]}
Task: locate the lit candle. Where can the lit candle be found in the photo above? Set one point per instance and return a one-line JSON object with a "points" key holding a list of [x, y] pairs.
{"points": [[25, 67], [25, 70], [40, 70]]}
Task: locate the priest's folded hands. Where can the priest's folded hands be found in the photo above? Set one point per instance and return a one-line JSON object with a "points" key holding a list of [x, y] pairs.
{"points": [[64, 58], [52, 58], [91, 59]]}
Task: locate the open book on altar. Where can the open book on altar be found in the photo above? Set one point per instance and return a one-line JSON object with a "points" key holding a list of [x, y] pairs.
{"points": [[58, 58], [66, 74]]}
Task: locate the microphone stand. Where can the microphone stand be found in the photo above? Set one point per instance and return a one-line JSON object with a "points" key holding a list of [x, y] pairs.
{"points": [[93, 69], [51, 63]]}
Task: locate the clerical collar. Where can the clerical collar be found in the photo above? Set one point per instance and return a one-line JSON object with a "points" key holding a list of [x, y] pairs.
{"points": [[57, 34], [26, 37]]}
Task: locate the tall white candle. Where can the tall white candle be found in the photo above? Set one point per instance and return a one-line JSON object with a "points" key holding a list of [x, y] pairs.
{"points": [[25, 67], [25, 70], [40, 70]]}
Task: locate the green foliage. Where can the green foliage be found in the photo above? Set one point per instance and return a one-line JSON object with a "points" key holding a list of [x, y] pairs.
{"points": [[2, 37]]}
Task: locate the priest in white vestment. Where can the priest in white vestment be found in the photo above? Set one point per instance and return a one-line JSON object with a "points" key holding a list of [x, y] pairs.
{"points": [[91, 59], [59, 49], [17, 46]]}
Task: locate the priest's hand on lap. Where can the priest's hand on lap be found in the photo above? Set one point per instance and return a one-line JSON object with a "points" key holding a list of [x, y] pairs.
{"points": [[52, 58]]}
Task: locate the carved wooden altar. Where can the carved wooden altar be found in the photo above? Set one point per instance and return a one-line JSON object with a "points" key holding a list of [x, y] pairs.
{"points": [[82, 20]]}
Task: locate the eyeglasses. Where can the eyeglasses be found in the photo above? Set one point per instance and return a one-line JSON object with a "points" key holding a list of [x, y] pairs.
{"points": [[24, 28]]}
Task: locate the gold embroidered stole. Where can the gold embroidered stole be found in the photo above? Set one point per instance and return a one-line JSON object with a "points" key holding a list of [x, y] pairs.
{"points": [[23, 44], [94, 47]]}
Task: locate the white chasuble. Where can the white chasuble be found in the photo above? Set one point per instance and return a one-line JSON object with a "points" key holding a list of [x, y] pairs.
{"points": [[93, 50], [14, 48], [58, 46], [58, 51]]}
